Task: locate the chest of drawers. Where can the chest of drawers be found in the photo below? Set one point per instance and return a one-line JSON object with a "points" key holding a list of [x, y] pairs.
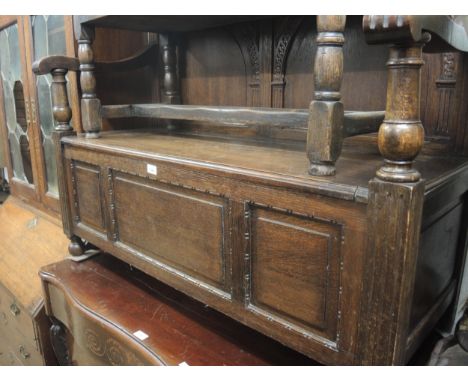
{"points": [[24, 326]]}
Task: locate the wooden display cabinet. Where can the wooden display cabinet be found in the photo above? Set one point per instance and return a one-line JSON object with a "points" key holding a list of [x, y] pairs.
{"points": [[26, 104]]}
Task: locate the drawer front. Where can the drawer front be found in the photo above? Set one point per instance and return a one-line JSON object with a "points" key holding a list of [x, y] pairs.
{"points": [[16, 327], [7, 356], [13, 316], [20, 348]]}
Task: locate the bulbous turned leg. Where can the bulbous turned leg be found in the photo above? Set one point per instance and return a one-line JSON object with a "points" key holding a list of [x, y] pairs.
{"points": [[401, 135], [76, 246], [399, 144]]}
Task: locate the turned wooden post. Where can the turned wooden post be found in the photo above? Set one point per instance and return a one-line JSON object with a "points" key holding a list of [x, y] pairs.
{"points": [[61, 108], [396, 198], [401, 134], [171, 93], [326, 113], [395, 206], [90, 104], [62, 115], [59, 66]]}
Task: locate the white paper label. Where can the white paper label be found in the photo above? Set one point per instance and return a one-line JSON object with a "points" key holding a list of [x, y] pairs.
{"points": [[140, 335], [151, 169]]}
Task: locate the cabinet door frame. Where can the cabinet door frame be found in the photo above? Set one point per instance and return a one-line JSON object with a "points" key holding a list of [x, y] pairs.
{"points": [[49, 200], [37, 194], [26, 191]]}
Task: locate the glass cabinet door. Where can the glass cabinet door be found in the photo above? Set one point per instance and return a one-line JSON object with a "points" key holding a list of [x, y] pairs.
{"points": [[26, 116], [48, 38], [15, 109]]}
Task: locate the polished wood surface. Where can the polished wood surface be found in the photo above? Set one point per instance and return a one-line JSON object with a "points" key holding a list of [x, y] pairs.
{"points": [[217, 214], [263, 159], [324, 136], [231, 215], [102, 302], [162, 24]]}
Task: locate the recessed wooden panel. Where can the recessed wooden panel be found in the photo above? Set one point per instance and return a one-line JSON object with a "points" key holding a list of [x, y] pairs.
{"points": [[182, 228], [294, 268], [88, 195], [436, 262]]}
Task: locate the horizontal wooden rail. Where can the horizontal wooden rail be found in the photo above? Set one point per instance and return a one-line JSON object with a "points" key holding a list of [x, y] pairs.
{"points": [[355, 122]]}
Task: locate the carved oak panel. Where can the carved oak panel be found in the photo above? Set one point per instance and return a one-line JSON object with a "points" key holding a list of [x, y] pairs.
{"points": [[294, 282], [181, 228], [86, 183]]}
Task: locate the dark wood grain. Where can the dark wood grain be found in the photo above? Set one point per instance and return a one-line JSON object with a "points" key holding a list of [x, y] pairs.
{"points": [[147, 56], [325, 137], [268, 196], [109, 301], [230, 215], [355, 122]]}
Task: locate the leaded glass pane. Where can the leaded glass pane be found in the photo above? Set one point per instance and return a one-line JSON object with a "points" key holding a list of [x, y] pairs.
{"points": [[56, 35], [51, 166], [13, 98], [48, 39]]}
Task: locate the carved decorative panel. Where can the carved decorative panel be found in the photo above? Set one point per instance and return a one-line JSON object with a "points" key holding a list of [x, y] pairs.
{"points": [[87, 196], [183, 229], [293, 283]]}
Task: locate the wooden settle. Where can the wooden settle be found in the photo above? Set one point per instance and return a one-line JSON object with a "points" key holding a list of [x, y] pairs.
{"points": [[307, 238]]}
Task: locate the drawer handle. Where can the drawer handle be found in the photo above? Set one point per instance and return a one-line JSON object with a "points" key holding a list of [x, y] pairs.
{"points": [[23, 352], [14, 309]]}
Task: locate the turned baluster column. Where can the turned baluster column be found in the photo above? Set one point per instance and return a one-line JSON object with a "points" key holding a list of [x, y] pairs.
{"points": [[171, 93], [58, 67], [396, 198], [61, 108], [62, 114], [401, 135], [90, 104], [326, 113]]}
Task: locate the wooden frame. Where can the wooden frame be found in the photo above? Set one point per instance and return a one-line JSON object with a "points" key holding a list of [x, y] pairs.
{"points": [[38, 195], [29, 192]]}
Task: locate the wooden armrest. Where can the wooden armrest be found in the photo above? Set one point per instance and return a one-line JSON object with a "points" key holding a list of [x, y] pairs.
{"points": [[48, 64], [58, 66], [141, 59], [451, 30]]}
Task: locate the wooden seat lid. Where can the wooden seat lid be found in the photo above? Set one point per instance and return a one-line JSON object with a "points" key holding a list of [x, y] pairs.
{"points": [[267, 161]]}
